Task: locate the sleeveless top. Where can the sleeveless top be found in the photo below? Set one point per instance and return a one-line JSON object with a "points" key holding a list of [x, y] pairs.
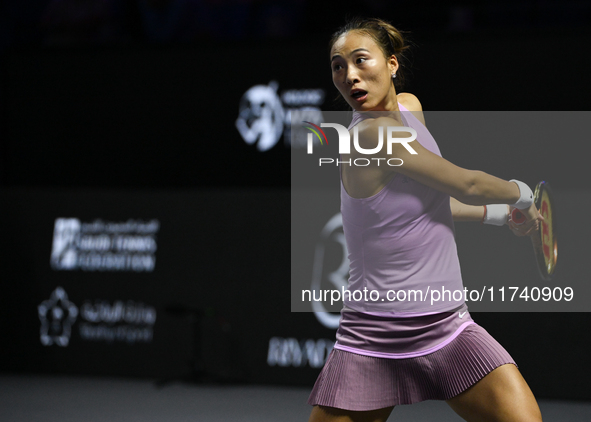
{"points": [[401, 244], [401, 239]]}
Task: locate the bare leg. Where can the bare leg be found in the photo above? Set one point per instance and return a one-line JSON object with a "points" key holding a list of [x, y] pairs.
{"points": [[501, 396], [331, 414]]}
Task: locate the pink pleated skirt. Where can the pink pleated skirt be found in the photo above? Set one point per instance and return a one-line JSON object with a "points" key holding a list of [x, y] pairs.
{"points": [[357, 382]]}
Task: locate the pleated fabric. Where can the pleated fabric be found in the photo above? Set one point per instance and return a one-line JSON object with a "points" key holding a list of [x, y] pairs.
{"points": [[356, 382]]}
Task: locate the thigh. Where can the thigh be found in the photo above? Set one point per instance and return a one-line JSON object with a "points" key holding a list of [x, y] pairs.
{"points": [[331, 414], [502, 395]]}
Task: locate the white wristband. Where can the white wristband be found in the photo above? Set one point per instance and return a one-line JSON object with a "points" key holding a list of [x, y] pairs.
{"points": [[527, 196], [496, 214]]}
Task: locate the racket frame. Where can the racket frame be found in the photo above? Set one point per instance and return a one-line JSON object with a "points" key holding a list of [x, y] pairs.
{"points": [[546, 269]]}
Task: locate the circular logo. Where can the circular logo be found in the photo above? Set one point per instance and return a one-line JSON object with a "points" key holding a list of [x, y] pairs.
{"points": [[261, 116], [331, 264]]}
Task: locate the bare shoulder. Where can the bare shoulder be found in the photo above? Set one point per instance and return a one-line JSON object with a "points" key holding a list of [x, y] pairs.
{"points": [[409, 101], [370, 128], [412, 104]]}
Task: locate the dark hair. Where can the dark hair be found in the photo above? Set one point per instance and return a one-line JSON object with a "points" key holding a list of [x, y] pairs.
{"points": [[389, 39]]}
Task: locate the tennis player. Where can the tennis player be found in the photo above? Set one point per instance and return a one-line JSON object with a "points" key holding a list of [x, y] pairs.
{"points": [[398, 224]]}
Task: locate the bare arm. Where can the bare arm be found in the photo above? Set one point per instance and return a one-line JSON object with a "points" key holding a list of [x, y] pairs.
{"points": [[463, 212], [470, 187], [460, 211]]}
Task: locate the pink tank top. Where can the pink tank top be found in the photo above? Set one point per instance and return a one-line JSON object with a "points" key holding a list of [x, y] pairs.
{"points": [[401, 243]]}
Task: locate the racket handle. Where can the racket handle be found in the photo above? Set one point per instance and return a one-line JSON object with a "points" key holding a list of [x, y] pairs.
{"points": [[517, 216]]}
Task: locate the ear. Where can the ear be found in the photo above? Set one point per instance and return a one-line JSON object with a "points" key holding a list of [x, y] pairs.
{"points": [[393, 64]]}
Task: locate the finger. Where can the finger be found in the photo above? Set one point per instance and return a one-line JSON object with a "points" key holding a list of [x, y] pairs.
{"points": [[517, 230], [518, 233], [532, 231]]}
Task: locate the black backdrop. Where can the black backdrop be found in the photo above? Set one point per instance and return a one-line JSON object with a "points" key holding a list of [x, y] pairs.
{"points": [[147, 118], [119, 133]]}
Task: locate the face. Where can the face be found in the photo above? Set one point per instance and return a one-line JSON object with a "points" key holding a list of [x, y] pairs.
{"points": [[362, 74]]}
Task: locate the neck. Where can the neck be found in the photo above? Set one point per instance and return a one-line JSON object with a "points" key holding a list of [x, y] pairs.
{"points": [[388, 107], [390, 102]]}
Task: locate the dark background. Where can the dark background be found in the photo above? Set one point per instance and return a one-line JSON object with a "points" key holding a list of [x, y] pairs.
{"points": [[120, 110]]}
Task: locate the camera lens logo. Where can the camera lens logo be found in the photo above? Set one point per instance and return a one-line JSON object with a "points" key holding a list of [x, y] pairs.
{"points": [[57, 315], [261, 116], [318, 129]]}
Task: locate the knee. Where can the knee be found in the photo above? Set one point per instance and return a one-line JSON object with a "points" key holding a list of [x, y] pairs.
{"points": [[534, 416]]}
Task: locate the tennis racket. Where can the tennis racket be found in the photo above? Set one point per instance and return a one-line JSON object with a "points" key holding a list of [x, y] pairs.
{"points": [[544, 241]]}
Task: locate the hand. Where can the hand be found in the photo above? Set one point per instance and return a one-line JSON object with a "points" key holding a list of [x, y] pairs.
{"points": [[532, 222]]}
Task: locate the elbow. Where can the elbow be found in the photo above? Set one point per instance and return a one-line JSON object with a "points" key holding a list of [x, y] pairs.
{"points": [[470, 191]]}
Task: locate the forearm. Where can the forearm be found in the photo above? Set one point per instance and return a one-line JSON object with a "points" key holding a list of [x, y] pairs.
{"points": [[464, 212], [486, 189]]}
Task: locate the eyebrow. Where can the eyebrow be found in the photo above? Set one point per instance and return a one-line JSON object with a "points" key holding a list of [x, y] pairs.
{"points": [[354, 51]]}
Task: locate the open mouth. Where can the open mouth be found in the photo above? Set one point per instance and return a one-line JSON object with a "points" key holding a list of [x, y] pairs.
{"points": [[358, 93]]}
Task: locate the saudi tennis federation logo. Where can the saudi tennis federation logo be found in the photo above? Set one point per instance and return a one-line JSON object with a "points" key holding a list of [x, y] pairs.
{"points": [[64, 250]]}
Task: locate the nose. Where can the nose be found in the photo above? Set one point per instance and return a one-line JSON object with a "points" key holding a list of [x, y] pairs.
{"points": [[351, 78]]}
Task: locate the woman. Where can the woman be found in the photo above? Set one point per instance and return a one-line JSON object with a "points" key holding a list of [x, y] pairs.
{"points": [[398, 223]]}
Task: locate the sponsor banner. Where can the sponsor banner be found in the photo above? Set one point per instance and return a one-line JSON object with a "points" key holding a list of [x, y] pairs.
{"points": [[98, 320], [265, 114], [222, 262], [104, 246], [286, 352]]}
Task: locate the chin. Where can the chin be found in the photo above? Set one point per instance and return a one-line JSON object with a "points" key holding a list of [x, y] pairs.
{"points": [[364, 107]]}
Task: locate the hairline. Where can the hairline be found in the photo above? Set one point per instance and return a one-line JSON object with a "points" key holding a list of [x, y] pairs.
{"points": [[363, 31]]}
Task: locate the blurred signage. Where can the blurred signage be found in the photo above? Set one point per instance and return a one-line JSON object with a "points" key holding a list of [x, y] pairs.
{"points": [[99, 320], [104, 246], [298, 353], [265, 115]]}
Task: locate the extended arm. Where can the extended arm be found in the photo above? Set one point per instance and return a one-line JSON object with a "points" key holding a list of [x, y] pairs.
{"points": [[469, 187], [464, 212]]}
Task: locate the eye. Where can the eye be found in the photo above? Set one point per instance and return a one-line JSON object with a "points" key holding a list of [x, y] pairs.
{"points": [[336, 67], [360, 60]]}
